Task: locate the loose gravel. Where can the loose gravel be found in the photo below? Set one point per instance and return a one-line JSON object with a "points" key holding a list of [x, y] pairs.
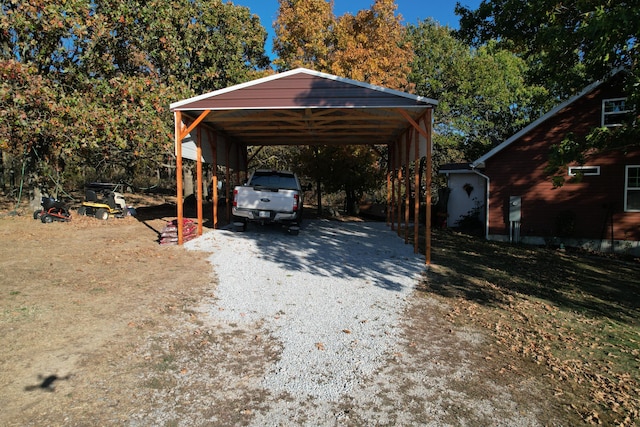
{"points": [[331, 296]]}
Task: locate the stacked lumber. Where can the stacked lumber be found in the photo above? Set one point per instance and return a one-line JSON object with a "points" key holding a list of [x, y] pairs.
{"points": [[169, 234]]}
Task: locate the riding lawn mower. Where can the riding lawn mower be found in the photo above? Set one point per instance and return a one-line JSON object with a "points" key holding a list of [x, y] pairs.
{"points": [[52, 210], [103, 200]]}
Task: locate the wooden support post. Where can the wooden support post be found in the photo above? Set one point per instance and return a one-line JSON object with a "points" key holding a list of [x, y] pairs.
{"points": [[213, 138], [407, 184], [399, 199], [416, 184], [199, 177], [389, 191], [227, 178], [429, 124], [179, 189], [392, 199]]}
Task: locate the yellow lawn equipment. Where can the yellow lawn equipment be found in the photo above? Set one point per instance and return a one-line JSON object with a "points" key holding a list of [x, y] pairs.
{"points": [[103, 200]]}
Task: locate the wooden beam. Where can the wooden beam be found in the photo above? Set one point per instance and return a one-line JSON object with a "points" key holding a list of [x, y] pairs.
{"points": [[414, 124], [193, 125]]}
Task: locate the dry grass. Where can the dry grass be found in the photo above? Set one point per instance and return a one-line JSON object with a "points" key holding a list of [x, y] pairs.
{"points": [[574, 314]]}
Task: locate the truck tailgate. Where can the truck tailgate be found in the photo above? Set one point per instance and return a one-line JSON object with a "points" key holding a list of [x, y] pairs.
{"points": [[276, 201]]}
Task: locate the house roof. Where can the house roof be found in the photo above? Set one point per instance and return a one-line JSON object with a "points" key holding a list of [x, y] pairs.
{"points": [[306, 107], [480, 161], [455, 168]]}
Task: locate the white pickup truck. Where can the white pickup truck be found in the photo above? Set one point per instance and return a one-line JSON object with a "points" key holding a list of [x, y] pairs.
{"points": [[269, 197]]}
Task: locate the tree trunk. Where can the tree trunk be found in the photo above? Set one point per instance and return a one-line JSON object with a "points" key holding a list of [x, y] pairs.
{"points": [[352, 207], [319, 194]]}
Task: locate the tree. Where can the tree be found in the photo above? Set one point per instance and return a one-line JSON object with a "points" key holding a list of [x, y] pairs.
{"points": [[87, 84], [352, 169], [304, 34], [567, 46], [482, 94], [43, 33], [371, 46]]}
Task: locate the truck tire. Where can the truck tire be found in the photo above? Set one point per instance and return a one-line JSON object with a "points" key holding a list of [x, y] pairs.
{"points": [[239, 224], [294, 229]]}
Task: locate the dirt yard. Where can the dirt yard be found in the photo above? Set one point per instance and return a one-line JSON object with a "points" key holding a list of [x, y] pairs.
{"points": [[101, 325]]}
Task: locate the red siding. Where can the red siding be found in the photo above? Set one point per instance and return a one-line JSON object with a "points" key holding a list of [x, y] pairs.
{"points": [[518, 170]]}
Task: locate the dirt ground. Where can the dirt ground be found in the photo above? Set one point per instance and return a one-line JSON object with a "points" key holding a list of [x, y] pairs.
{"points": [[101, 325]]}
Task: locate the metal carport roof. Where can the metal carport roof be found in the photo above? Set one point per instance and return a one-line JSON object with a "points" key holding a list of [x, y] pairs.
{"points": [[302, 107]]}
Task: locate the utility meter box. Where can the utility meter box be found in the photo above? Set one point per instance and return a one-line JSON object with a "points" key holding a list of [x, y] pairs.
{"points": [[515, 208]]}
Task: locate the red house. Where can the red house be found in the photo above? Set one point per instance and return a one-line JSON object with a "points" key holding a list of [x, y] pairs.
{"points": [[599, 211]]}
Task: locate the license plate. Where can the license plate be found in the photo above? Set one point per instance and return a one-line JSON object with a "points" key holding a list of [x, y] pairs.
{"points": [[264, 214]]}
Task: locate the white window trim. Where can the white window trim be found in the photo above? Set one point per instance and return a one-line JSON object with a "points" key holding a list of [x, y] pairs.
{"points": [[612, 113], [626, 187], [573, 170]]}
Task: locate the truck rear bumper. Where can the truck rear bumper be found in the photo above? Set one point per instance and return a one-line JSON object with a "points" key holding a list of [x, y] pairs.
{"points": [[265, 216]]}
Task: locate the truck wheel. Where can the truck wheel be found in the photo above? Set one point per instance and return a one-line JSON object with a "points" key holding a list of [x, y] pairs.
{"points": [[102, 214], [47, 219], [82, 210], [37, 214], [239, 224], [294, 230]]}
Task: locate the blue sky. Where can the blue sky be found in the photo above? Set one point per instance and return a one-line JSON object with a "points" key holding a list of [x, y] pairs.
{"points": [[411, 10]]}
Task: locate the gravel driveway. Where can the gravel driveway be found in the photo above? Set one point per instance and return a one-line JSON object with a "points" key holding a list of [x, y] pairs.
{"points": [[333, 298]]}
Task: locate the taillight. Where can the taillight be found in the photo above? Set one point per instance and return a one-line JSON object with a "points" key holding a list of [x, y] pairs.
{"points": [[296, 199], [235, 198]]}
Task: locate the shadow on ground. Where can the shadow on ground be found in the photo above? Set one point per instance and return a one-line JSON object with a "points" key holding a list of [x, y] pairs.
{"points": [[489, 272]]}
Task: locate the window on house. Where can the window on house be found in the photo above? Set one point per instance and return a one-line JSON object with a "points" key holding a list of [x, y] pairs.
{"points": [[614, 111], [584, 170], [632, 189]]}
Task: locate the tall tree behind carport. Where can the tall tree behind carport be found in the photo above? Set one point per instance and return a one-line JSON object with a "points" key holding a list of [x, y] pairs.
{"points": [[352, 169], [304, 34], [371, 47]]}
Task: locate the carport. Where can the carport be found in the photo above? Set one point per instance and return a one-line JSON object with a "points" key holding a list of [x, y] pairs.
{"points": [[305, 107]]}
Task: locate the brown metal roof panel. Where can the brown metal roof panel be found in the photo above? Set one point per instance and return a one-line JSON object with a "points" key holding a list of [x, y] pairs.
{"points": [[302, 88], [267, 101]]}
